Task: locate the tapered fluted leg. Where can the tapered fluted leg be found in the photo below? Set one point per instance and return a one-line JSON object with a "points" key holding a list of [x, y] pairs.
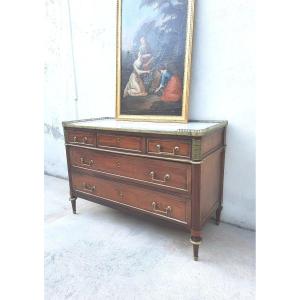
{"points": [[73, 202], [196, 241], [218, 214]]}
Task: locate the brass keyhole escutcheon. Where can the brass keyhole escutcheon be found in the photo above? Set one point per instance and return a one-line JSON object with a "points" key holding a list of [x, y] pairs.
{"points": [[118, 164]]}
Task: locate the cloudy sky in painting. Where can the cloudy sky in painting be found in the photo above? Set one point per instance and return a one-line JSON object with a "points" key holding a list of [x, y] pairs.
{"points": [[133, 18]]}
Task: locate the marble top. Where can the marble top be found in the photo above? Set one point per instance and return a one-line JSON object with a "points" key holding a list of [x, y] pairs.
{"points": [[194, 128]]}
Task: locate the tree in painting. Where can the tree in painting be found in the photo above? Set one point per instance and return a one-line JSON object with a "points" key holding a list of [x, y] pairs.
{"points": [[153, 55]]}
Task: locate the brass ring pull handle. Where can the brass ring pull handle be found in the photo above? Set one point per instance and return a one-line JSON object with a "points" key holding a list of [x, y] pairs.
{"points": [[166, 212], [175, 150], [84, 163], [84, 140], [166, 177], [88, 187]]}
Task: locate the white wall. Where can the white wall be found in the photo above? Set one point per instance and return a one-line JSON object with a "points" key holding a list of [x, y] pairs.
{"points": [[223, 87], [222, 83]]}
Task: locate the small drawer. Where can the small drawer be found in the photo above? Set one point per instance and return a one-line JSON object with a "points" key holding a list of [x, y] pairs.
{"points": [[169, 147], [156, 203], [81, 137], [120, 142]]}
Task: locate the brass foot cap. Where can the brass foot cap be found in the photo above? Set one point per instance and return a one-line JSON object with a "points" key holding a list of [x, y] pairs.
{"points": [[195, 258], [196, 242]]}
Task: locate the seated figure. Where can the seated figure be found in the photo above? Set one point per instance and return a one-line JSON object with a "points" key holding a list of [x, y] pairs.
{"points": [[172, 91], [135, 86], [165, 77]]}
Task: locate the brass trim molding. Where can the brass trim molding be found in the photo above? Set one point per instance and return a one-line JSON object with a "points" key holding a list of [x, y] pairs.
{"points": [[195, 242], [196, 149], [120, 148]]}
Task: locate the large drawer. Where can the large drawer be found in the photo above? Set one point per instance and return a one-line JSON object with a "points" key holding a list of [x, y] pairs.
{"points": [[144, 199], [169, 174]]}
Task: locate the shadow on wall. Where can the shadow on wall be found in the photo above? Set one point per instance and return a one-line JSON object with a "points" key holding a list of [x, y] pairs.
{"points": [[54, 131], [55, 162]]}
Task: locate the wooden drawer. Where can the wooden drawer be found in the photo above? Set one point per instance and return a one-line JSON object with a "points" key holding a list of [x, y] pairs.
{"points": [[169, 174], [169, 147], [120, 142], [154, 202], [81, 137]]}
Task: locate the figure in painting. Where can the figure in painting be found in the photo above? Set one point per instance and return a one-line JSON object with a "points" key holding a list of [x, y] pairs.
{"points": [[165, 76], [144, 48], [173, 89], [147, 59], [135, 86], [140, 76]]}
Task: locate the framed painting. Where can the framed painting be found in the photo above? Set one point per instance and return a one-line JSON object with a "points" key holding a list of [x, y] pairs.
{"points": [[154, 52]]}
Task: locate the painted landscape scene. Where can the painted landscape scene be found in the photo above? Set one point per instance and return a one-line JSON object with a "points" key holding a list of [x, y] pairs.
{"points": [[153, 39]]}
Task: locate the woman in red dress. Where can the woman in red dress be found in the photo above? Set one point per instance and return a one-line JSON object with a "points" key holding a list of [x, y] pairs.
{"points": [[173, 90]]}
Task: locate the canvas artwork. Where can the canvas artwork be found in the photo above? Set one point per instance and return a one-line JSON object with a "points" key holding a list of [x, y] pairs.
{"points": [[154, 59]]}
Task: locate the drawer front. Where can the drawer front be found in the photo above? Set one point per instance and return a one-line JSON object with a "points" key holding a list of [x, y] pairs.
{"points": [[120, 142], [154, 202], [169, 147], [164, 173], [81, 137]]}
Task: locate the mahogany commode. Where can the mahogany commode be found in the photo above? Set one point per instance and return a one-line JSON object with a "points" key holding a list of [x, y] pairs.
{"points": [[169, 171]]}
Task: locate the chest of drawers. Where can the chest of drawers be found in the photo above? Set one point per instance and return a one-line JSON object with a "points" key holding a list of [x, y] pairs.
{"points": [[172, 171]]}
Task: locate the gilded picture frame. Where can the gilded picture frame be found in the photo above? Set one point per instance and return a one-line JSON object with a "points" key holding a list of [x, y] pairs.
{"points": [[154, 54]]}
